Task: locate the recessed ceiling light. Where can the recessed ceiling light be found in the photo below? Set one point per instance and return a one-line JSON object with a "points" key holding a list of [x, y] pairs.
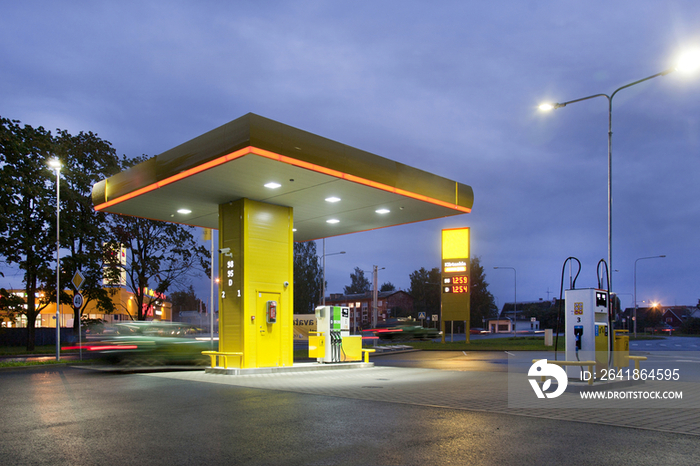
{"points": [[382, 211], [332, 220], [332, 199], [184, 211], [272, 185]]}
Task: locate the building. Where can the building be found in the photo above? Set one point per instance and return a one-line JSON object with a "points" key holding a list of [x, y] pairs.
{"points": [[125, 310], [530, 316], [389, 304], [505, 325], [655, 316]]}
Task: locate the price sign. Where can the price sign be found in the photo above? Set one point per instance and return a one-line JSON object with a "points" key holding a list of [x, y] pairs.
{"points": [[455, 284], [228, 279]]}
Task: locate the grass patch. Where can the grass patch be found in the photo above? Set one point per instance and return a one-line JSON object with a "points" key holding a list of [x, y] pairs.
{"points": [[487, 344], [22, 350], [30, 363], [44, 363]]}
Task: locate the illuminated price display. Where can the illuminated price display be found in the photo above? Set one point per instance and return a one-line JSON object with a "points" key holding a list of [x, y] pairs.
{"points": [[456, 284], [455, 289]]}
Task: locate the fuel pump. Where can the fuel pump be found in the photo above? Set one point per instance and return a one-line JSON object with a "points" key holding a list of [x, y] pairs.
{"points": [[587, 328], [332, 325]]}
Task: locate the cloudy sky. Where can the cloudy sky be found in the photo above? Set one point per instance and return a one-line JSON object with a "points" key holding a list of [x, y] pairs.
{"points": [[451, 87]]}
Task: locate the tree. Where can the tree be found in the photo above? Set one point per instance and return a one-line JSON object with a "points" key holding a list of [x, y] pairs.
{"points": [[482, 304], [28, 212], [425, 289], [186, 300], [358, 283], [11, 305], [387, 286], [86, 159], [161, 255], [691, 326], [308, 276]]}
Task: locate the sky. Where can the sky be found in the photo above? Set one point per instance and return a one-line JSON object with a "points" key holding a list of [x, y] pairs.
{"points": [[450, 87]]}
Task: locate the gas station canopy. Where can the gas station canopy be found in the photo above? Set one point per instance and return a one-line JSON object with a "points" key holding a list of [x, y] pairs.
{"points": [[333, 188]]}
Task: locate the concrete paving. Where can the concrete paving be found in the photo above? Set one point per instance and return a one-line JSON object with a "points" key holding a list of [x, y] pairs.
{"points": [[409, 409], [470, 384]]}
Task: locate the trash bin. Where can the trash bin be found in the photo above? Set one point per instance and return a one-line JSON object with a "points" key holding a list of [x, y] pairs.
{"points": [[621, 348]]}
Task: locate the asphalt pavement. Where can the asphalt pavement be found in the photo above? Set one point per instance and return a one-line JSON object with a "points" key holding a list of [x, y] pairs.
{"points": [[411, 408]]}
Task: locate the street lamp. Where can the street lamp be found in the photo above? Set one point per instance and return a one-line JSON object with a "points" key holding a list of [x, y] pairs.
{"points": [[687, 63], [323, 284], [515, 292], [56, 165], [635, 288]]}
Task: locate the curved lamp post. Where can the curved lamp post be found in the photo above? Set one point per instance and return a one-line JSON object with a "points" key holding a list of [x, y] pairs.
{"points": [[635, 288], [688, 62]]}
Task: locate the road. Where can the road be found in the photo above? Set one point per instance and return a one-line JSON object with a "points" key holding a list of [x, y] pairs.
{"points": [[77, 415]]}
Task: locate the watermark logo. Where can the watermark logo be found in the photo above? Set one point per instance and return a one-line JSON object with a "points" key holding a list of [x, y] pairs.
{"points": [[542, 369]]}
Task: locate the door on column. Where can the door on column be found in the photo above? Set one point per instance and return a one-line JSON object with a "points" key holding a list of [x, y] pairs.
{"points": [[269, 341]]}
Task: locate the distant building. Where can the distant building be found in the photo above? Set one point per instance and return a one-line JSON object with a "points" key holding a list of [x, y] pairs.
{"points": [[505, 325], [388, 304], [124, 303], [654, 316], [526, 316]]}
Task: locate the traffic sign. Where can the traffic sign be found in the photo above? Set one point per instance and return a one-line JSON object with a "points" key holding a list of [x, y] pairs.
{"points": [[78, 280], [421, 315], [77, 300]]}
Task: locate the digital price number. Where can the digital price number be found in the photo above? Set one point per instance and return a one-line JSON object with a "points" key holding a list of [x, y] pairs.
{"points": [[456, 284]]}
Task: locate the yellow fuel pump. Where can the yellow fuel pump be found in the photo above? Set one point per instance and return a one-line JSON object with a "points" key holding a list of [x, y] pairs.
{"points": [[332, 341]]}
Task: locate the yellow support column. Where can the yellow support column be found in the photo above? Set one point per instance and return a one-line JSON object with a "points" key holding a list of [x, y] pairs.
{"points": [[256, 247]]}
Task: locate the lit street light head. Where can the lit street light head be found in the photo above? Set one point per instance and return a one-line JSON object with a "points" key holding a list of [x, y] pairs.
{"points": [[547, 106], [55, 164], [689, 62]]}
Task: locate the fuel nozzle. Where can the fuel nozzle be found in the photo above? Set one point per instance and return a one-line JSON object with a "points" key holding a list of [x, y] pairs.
{"points": [[578, 333]]}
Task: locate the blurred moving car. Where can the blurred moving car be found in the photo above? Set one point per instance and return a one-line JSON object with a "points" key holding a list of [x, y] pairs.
{"points": [[402, 332], [664, 327], [151, 343], [93, 326]]}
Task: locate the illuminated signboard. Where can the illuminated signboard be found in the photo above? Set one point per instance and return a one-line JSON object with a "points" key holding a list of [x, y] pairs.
{"points": [[455, 284], [455, 273], [455, 266]]}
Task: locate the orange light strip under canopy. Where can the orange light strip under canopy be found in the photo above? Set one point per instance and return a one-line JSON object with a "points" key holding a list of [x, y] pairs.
{"points": [[281, 158]]}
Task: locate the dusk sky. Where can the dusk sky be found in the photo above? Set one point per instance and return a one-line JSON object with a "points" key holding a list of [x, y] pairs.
{"points": [[450, 87]]}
